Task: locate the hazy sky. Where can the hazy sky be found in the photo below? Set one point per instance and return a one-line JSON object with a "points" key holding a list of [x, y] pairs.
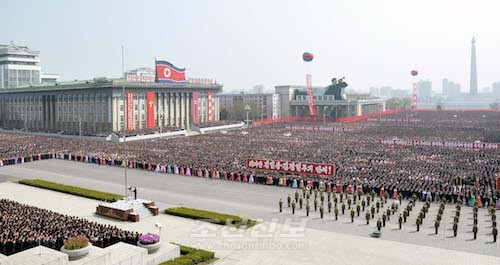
{"points": [[244, 43]]}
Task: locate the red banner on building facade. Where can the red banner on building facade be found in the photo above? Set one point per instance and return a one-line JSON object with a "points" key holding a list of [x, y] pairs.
{"points": [[195, 107], [498, 183], [150, 95], [292, 167], [130, 111], [310, 99], [209, 108]]}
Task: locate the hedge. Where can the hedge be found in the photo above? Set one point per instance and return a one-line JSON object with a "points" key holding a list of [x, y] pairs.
{"points": [[191, 256], [92, 194], [212, 217]]}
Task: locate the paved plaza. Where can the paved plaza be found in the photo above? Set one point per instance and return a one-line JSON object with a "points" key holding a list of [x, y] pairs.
{"points": [[323, 241]]}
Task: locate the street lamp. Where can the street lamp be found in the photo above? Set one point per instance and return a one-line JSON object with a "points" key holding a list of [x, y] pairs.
{"points": [[124, 124], [161, 120], [247, 108], [25, 119], [159, 226], [324, 114], [79, 127]]}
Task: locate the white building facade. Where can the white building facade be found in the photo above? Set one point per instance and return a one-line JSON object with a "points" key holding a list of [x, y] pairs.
{"points": [[19, 66], [268, 103]]}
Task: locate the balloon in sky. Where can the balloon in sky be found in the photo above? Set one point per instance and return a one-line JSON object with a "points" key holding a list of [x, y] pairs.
{"points": [[414, 72], [307, 56]]}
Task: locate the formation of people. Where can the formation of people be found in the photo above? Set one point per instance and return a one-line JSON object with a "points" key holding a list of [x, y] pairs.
{"points": [[23, 227], [355, 204]]}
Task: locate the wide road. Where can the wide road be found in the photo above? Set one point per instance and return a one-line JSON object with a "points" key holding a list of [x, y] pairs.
{"points": [[256, 202]]}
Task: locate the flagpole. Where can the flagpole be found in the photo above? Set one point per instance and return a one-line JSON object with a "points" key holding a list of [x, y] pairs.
{"points": [[124, 123]]}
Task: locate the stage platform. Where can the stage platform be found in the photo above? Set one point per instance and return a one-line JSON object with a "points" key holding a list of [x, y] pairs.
{"points": [[132, 210]]}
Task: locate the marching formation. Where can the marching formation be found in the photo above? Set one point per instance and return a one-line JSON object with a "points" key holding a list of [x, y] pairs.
{"points": [[352, 205]]}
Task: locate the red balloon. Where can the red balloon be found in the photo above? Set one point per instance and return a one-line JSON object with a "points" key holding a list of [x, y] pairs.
{"points": [[414, 72], [307, 56]]}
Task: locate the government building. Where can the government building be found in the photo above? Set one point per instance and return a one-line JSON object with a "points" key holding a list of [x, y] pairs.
{"points": [[99, 106]]}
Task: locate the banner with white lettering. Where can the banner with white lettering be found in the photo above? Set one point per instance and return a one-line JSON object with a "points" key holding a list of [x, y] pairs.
{"points": [[292, 167], [466, 145], [320, 128]]}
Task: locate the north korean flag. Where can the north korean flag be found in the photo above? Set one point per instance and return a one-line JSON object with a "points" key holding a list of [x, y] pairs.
{"points": [[168, 73]]}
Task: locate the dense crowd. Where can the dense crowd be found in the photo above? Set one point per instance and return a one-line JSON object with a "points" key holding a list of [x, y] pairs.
{"points": [[217, 123], [23, 227], [359, 157]]}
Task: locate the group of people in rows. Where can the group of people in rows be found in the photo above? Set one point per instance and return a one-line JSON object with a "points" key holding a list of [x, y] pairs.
{"points": [[23, 227], [360, 159]]}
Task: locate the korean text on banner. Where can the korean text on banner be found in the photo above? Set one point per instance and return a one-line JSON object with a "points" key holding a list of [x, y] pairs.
{"points": [[310, 100], [325, 170], [210, 105], [130, 111], [151, 109]]}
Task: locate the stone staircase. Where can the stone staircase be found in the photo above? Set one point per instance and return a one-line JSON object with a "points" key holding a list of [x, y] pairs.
{"points": [[142, 210]]}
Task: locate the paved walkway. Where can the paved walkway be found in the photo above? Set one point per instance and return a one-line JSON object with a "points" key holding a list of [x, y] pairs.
{"points": [[324, 240]]}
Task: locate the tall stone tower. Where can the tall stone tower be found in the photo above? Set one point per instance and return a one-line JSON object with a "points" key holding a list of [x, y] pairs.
{"points": [[473, 70]]}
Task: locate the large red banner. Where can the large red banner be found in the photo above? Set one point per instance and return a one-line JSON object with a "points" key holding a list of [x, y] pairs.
{"points": [[195, 107], [150, 95], [209, 109], [310, 99], [130, 111], [292, 167], [498, 183]]}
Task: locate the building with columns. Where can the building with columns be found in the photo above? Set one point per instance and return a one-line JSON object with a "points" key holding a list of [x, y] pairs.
{"points": [[98, 106], [355, 104]]}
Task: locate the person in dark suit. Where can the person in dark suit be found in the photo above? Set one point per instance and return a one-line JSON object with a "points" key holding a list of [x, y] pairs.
{"points": [[337, 88]]}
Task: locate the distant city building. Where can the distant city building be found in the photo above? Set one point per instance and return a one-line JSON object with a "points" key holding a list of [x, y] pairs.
{"points": [[386, 91], [49, 78], [400, 93], [374, 92], [473, 70], [19, 66], [445, 87], [424, 91], [268, 103], [495, 89], [141, 75], [453, 90]]}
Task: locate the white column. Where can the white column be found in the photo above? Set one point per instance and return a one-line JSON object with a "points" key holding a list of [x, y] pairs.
{"points": [[188, 107], [171, 109]]}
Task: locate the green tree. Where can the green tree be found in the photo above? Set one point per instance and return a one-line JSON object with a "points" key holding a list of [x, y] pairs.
{"points": [[398, 103], [239, 113], [224, 114]]}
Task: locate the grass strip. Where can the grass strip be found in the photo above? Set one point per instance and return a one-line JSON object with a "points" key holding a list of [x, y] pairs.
{"points": [[87, 193], [211, 217]]}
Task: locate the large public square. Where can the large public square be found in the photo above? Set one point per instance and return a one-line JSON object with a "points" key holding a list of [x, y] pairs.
{"points": [[317, 241]]}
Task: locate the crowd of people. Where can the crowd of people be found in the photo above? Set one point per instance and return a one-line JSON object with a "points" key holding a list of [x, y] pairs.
{"points": [[359, 157], [23, 227]]}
